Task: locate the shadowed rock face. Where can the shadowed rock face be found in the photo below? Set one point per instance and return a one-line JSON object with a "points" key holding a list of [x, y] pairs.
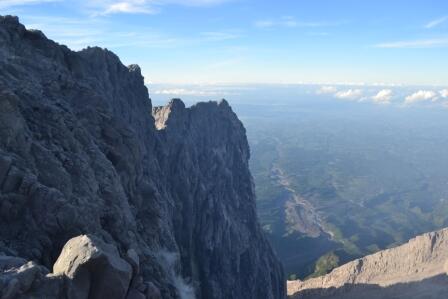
{"points": [[417, 269], [216, 232], [80, 153]]}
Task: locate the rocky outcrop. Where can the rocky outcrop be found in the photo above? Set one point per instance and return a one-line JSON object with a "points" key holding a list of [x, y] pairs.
{"points": [[94, 268], [21, 279], [81, 154], [417, 269], [217, 236]]}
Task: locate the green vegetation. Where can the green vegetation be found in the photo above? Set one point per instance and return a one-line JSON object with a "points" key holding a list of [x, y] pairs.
{"points": [[325, 264]]}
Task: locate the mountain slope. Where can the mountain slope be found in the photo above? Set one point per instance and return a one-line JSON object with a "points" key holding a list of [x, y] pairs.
{"points": [[417, 269], [81, 154]]}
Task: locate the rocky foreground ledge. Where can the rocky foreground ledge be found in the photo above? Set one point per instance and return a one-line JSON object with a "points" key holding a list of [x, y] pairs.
{"points": [[415, 270], [86, 268], [98, 202]]}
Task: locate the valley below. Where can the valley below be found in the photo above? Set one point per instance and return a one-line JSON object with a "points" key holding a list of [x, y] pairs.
{"points": [[333, 188]]}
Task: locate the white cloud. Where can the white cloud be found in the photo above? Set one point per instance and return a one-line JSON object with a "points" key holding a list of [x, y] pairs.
{"points": [[104, 7], [444, 93], [349, 94], [436, 22], [136, 6], [423, 43], [383, 96], [183, 91], [420, 96], [193, 2], [327, 90], [289, 22]]}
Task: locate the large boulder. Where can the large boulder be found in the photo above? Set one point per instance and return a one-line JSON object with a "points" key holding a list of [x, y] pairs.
{"points": [[94, 268]]}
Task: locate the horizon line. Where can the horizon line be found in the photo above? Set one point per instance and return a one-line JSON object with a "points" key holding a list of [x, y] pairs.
{"points": [[368, 84]]}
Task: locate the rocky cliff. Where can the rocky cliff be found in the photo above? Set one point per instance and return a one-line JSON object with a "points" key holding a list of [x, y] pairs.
{"points": [[417, 270], [103, 196]]}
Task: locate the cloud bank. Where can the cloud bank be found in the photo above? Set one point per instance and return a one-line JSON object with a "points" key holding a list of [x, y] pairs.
{"points": [[421, 96], [349, 94], [327, 90], [290, 22], [383, 96], [444, 93]]}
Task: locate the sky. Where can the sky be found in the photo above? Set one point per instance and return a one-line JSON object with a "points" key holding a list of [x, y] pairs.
{"points": [[376, 42]]}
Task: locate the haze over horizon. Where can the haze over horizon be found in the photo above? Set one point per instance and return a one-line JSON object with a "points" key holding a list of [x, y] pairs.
{"points": [[247, 41]]}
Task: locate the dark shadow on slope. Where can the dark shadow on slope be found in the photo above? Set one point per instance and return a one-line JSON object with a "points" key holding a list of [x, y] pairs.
{"points": [[431, 288]]}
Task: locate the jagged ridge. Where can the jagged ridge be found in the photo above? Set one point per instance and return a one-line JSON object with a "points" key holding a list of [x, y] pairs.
{"points": [[80, 154], [417, 269]]}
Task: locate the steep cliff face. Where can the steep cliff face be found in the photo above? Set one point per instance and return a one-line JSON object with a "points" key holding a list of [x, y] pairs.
{"points": [[80, 153], [216, 232], [417, 270]]}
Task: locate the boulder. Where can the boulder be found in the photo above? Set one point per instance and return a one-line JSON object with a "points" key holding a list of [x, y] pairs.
{"points": [[94, 268]]}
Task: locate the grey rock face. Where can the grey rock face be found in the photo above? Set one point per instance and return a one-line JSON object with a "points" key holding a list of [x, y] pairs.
{"points": [[80, 153], [417, 270], [216, 233], [18, 276], [20, 279]]}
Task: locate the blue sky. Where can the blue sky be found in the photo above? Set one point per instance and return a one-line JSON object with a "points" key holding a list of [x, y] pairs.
{"points": [[249, 41]]}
